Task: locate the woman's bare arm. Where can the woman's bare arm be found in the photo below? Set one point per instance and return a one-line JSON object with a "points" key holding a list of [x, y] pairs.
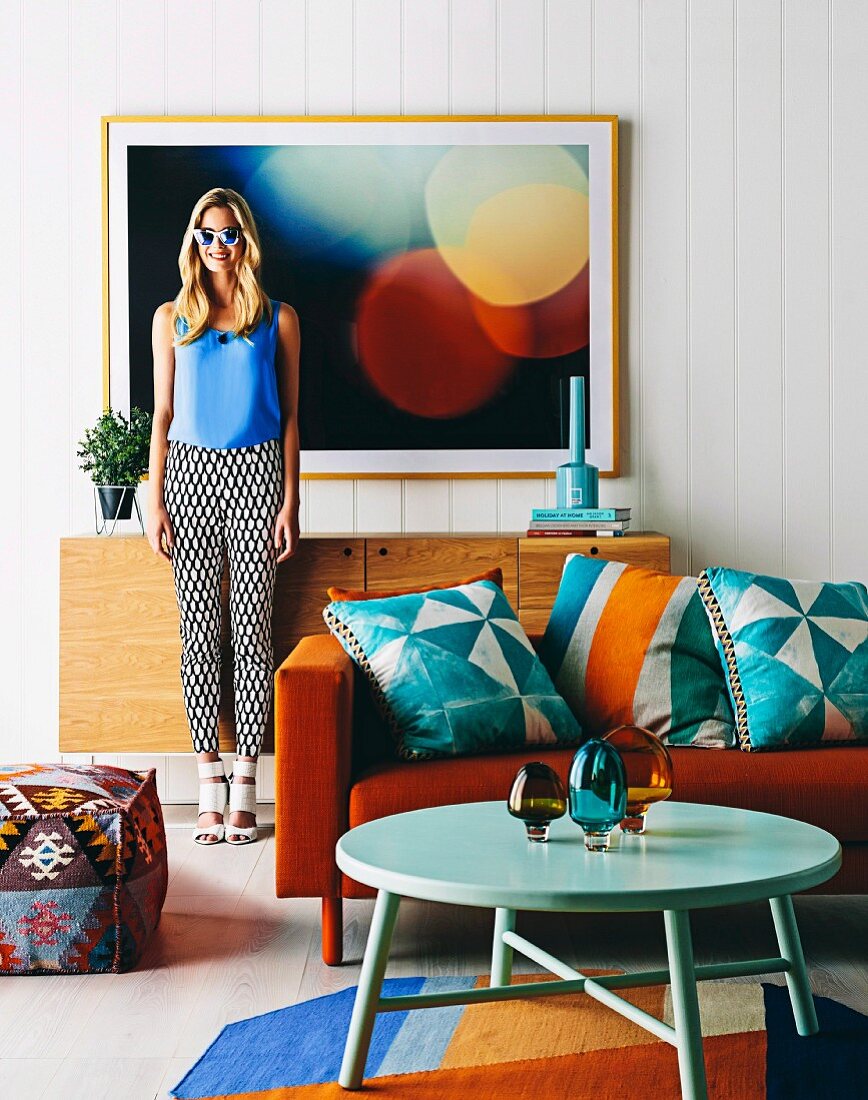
{"points": [[286, 366], [164, 387]]}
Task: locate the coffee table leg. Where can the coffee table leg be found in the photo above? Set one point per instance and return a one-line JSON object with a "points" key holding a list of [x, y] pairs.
{"points": [[790, 946], [368, 993], [685, 1004], [501, 953]]}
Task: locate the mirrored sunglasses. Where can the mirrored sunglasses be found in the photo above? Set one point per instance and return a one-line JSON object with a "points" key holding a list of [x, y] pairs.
{"points": [[229, 236]]}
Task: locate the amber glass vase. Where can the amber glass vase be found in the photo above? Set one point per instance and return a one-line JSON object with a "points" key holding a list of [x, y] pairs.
{"points": [[537, 798], [649, 772]]}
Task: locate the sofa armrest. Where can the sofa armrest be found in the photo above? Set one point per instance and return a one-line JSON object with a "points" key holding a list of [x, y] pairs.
{"points": [[313, 713]]}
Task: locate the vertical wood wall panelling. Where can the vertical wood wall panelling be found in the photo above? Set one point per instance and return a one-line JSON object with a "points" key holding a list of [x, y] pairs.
{"points": [[190, 71], [377, 57], [714, 436], [664, 273], [425, 57], [521, 57], [379, 505], [426, 505], [569, 56], [849, 381], [141, 60], [330, 506], [46, 289], [93, 92], [265, 779], [112, 760], [330, 78], [473, 57], [236, 50], [806, 466], [13, 536], [518, 496], [474, 504], [284, 52], [759, 279], [182, 781], [618, 90]]}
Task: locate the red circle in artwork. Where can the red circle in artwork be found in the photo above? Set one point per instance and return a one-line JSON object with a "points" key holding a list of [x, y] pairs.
{"points": [[419, 340], [552, 326]]}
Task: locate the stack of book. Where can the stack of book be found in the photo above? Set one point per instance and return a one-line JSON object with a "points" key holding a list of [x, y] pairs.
{"points": [[578, 522]]}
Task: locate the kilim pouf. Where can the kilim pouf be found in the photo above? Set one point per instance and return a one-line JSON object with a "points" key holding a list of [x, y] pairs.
{"points": [[83, 868]]}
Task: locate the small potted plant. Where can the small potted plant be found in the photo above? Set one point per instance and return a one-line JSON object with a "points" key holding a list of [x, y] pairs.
{"points": [[115, 452]]}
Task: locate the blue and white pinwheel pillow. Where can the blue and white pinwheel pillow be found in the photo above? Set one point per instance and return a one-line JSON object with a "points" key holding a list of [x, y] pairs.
{"points": [[796, 657], [453, 671]]}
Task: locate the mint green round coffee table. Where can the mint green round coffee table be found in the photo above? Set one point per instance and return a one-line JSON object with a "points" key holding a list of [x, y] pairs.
{"points": [[690, 857]]}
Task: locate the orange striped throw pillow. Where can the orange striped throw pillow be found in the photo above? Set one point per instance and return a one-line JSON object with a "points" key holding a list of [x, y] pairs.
{"points": [[626, 645]]}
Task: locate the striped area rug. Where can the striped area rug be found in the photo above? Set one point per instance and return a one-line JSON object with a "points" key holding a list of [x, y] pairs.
{"points": [[562, 1048]]}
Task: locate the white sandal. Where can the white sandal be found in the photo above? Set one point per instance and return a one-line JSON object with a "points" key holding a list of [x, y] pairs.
{"points": [[212, 799], [242, 799]]}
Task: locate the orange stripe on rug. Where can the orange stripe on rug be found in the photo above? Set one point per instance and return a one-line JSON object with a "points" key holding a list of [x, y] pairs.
{"points": [[616, 656], [735, 1067], [546, 1027]]}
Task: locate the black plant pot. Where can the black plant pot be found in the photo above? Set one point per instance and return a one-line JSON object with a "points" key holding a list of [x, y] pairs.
{"points": [[116, 501]]}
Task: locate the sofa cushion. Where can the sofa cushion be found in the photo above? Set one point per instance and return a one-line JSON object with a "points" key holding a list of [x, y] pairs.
{"points": [[453, 671], [630, 646], [825, 789], [796, 657]]}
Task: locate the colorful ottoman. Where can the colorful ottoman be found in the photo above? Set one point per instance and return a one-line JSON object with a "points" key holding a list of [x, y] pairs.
{"points": [[83, 867]]}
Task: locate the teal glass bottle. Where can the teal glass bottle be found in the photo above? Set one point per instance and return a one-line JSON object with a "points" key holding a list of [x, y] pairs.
{"points": [[577, 481], [597, 792]]}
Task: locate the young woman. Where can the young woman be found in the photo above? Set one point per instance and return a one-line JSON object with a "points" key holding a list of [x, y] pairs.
{"points": [[224, 476]]}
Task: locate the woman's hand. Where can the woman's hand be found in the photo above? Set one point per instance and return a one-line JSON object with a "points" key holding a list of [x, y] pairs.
{"points": [[286, 531], [159, 524]]}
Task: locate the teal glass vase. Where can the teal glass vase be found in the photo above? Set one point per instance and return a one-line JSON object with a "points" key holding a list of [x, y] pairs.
{"points": [[577, 483], [597, 792]]}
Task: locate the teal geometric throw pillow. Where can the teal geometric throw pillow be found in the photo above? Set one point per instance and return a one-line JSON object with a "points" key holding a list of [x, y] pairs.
{"points": [[796, 657], [453, 672]]}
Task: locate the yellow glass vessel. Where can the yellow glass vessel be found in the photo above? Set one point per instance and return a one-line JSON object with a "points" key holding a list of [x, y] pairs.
{"points": [[537, 798], [649, 772]]}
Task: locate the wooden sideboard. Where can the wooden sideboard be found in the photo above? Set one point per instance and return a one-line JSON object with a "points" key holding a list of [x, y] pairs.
{"points": [[120, 645]]}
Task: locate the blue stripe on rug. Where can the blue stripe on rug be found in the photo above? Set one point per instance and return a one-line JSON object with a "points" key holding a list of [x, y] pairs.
{"points": [[831, 1064], [284, 1048], [426, 1033]]}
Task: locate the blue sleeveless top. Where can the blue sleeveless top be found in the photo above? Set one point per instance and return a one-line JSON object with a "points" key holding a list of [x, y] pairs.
{"points": [[226, 388]]}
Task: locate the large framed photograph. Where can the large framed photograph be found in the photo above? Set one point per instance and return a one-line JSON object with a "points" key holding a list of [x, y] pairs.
{"points": [[451, 274]]}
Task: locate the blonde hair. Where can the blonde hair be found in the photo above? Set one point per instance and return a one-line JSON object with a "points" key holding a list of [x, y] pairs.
{"points": [[192, 303]]}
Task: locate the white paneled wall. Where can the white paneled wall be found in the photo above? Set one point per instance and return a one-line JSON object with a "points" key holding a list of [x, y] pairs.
{"points": [[744, 231]]}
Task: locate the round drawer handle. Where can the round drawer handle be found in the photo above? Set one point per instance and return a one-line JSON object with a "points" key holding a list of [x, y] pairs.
{"points": [[595, 550], [382, 551], [348, 552]]}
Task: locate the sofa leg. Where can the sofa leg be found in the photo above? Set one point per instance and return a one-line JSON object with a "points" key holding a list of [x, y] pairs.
{"points": [[332, 931]]}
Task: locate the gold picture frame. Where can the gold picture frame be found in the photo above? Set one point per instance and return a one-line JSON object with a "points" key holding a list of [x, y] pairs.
{"points": [[120, 132]]}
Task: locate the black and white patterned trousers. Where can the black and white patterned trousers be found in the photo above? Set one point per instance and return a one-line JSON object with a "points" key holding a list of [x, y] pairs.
{"points": [[225, 500]]}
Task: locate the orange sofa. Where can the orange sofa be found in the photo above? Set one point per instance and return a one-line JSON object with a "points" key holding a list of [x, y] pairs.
{"points": [[333, 771]]}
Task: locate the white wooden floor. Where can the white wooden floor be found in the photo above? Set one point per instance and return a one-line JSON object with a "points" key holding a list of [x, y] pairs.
{"points": [[227, 948]]}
